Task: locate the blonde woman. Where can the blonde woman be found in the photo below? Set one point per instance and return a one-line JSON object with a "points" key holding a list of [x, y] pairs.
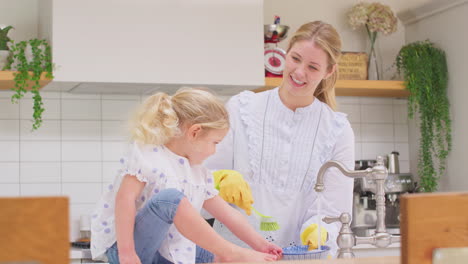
{"points": [[279, 139], [151, 212]]}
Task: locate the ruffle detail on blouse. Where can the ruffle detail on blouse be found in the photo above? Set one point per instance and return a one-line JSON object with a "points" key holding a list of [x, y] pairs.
{"points": [[251, 114], [331, 128], [131, 163]]}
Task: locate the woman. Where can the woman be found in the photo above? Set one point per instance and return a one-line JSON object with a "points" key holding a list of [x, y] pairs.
{"points": [[280, 138]]}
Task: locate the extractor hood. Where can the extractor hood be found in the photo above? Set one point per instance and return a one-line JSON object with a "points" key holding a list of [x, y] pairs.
{"points": [[140, 46]]}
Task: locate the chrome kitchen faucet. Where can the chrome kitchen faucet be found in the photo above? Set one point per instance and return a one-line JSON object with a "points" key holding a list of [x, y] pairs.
{"points": [[346, 240]]}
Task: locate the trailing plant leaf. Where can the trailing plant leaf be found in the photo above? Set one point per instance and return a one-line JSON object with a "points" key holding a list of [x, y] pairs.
{"points": [[425, 72], [41, 62]]}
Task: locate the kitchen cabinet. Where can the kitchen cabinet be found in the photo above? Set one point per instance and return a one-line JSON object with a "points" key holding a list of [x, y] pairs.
{"points": [[205, 42], [355, 87]]}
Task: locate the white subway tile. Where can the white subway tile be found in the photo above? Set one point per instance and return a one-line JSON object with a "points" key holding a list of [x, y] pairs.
{"points": [[6, 94], [114, 130], [13, 152], [81, 130], [9, 130], [376, 114], [357, 131], [401, 133], [109, 170], [403, 149], [377, 132], [74, 96], [8, 110], [51, 109], [358, 151], [81, 172], [376, 101], [347, 100], [353, 111], [118, 109], [400, 113], [81, 109], [40, 172], [400, 101], [372, 150], [132, 97], [49, 130], [113, 151], [404, 166], [10, 172], [81, 151], [82, 192], [9, 190], [44, 95], [40, 189], [40, 151]]}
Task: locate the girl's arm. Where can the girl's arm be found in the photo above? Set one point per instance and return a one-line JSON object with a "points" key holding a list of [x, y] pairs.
{"points": [[239, 226], [125, 212]]}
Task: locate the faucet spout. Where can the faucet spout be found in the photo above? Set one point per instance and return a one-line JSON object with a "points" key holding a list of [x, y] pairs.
{"points": [[319, 185]]}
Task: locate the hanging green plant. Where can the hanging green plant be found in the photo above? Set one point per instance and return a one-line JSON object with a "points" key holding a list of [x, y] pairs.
{"points": [[425, 73], [30, 68]]}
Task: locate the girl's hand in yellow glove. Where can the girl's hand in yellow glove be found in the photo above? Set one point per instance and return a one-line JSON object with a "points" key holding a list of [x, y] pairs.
{"points": [[234, 189], [310, 236]]}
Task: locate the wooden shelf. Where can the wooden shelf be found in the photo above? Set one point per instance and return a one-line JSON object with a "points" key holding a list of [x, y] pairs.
{"points": [[7, 82], [355, 87]]}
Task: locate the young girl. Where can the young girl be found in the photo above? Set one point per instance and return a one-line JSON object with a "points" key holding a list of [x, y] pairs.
{"points": [[151, 212]]}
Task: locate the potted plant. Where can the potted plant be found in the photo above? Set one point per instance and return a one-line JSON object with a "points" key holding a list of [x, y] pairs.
{"points": [[4, 39], [30, 59], [425, 73]]}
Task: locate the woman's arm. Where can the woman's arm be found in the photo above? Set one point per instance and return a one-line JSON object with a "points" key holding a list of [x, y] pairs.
{"points": [[239, 225], [338, 194], [125, 212]]}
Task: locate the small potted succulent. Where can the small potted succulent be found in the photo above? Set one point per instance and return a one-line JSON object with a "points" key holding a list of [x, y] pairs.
{"points": [[4, 50]]}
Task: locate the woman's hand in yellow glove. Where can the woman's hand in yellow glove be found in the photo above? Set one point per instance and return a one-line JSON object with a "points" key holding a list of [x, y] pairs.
{"points": [[234, 189], [310, 236]]}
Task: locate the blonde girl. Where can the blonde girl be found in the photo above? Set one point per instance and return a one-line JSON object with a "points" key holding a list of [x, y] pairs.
{"points": [[151, 212]]}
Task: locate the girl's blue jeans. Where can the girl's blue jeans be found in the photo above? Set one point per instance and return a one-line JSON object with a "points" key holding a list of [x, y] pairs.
{"points": [[151, 226]]}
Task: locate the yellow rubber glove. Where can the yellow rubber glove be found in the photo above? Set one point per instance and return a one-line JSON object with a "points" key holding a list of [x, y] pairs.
{"points": [[310, 236], [234, 189]]}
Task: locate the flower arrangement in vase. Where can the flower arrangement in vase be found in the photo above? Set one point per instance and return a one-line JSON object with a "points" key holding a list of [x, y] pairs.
{"points": [[377, 18]]}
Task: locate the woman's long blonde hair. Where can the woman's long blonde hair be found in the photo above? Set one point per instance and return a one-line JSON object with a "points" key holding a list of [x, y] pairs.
{"points": [[161, 116], [327, 38]]}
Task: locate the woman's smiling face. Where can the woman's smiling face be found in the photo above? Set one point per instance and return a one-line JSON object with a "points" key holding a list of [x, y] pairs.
{"points": [[306, 65]]}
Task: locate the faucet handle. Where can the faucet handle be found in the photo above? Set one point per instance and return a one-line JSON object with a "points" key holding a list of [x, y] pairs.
{"points": [[344, 218]]}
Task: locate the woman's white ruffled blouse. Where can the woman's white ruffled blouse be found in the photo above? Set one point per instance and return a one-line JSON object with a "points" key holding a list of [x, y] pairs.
{"points": [[159, 169], [279, 152]]}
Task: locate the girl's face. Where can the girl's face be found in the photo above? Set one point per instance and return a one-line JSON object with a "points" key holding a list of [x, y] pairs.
{"points": [[203, 144], [306, 66]]}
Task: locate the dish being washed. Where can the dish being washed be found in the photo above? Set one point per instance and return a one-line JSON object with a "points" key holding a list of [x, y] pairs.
{"points": [[302, 252]]}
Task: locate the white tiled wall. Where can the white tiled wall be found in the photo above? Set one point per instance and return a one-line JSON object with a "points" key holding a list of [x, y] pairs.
{"points": [[380, 126], [76, 150]]}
